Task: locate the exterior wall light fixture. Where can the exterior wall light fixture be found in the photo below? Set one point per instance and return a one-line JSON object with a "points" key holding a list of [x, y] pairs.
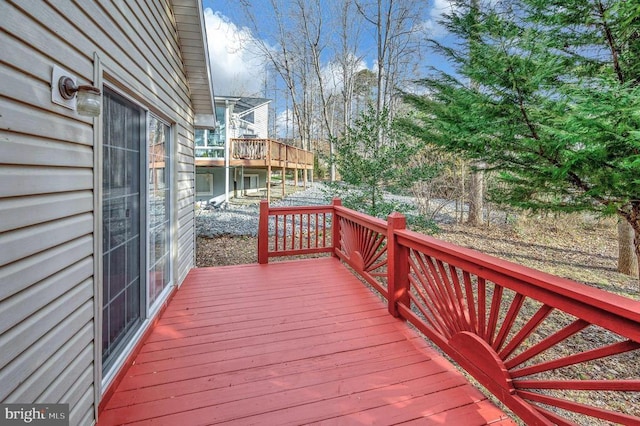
{"points": [[88, 101], [85, 99]]}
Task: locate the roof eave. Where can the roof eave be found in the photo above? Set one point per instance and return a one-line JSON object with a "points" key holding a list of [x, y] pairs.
{"points": [[192, 35]]}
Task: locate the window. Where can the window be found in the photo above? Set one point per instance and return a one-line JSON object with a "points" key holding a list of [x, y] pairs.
{"points": [[250, 182], [210, 142], [204, 184]]}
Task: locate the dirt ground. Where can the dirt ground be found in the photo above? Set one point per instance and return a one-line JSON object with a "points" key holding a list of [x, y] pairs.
{"points": [[569, 246]]}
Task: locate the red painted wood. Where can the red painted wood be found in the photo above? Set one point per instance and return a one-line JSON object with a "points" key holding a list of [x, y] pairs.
{"points": [[482, 358], [463, 299], [456, 315], [580, 408], [525, 411], [470, 305], [594, 354], [398, 269], [120, 375], [547, 343], [529, 327], [373, 223], [303, 347], [263, 233], [397, 351], [507, 324], [605, 309], [604, 385], [480, 413], [496, 302]]}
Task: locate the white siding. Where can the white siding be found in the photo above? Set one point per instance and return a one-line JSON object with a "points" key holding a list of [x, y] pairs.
{"points": [[47, 299], [261, 120]]}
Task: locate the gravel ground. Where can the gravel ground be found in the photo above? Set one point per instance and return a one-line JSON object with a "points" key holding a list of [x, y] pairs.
{"points": [[240, 217]]}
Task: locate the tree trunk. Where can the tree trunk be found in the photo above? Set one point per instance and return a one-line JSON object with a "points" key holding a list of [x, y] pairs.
{"points": [[627, 258], [476, 197]]}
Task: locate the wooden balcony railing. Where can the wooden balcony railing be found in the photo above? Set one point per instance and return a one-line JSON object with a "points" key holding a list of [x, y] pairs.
{"points": [[543, 345], [271, 152], [253, 152]]}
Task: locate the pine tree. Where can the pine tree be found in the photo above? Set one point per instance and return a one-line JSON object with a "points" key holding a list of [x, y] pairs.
{"points": [[556, 107], [368, 168]]}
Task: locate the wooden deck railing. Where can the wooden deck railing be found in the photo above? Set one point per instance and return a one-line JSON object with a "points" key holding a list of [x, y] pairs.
{"points": [[270, 151], [543, 345]]}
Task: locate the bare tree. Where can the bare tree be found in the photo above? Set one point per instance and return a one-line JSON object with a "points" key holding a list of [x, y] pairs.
{"points": [[288, 57], [349, 62], [399, 34]]}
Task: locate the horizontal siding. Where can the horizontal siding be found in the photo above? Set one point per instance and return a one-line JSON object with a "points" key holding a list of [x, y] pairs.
{"points": [[21, 118], [32, 150], [29, 180], [185, 262], [40, 301], [21, 368], [68, 382], [38, 327], [30, 27], [79, 414], [53, 367], [30, 210], [24, 273], [47, 154], [34, 239]]}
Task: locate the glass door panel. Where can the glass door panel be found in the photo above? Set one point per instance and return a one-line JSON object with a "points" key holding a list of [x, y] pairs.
{"points": [[123, 139], [159, 197]]}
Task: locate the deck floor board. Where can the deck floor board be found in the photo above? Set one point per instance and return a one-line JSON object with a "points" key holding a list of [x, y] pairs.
{"points": [[289, 343]]}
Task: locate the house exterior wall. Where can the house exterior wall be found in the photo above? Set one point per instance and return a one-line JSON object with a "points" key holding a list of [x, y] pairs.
{"points": [[262, 178], [217, 174], [236, 182], [261, 124], [49, 183]]}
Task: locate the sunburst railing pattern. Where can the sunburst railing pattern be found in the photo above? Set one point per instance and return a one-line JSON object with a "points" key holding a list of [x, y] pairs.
{"points": [[542, 344], [363, 245], [549, 348]]}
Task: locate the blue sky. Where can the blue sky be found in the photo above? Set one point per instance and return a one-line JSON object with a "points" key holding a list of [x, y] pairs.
{"points": [[236, 68]]}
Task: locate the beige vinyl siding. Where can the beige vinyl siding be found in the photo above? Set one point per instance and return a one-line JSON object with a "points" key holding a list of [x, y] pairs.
{"points": [[261, 121], [47, 300]]}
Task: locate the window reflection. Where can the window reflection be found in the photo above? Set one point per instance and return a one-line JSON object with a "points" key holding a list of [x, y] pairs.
{"points": [[158, 207]]}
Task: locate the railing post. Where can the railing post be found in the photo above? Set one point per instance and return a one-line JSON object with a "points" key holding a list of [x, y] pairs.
{"points": [[335, 227], [268, 145], [397, 265], [263, 233]]}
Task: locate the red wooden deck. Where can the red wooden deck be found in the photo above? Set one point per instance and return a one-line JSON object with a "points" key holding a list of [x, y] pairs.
{"points": [[289, 343]]}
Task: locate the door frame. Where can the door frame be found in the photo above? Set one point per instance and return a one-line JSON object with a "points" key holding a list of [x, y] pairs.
{"points": [[106, 76], [141, 216]]}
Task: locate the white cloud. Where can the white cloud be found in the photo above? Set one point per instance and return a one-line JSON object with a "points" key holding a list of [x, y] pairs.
{"points": [[439, 7], [285, 126], [236, 67], [331, 74]]}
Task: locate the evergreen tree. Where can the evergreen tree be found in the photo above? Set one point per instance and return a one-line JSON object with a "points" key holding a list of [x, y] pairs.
{"points": [[368, 167], [556, 105]]}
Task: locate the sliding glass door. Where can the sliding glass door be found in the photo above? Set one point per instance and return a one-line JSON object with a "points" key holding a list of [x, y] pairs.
{"points": [[124, 131], [136, 218]]}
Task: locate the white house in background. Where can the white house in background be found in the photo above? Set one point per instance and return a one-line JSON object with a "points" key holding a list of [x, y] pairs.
{"points": [[218, 177], [96, 213]]}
